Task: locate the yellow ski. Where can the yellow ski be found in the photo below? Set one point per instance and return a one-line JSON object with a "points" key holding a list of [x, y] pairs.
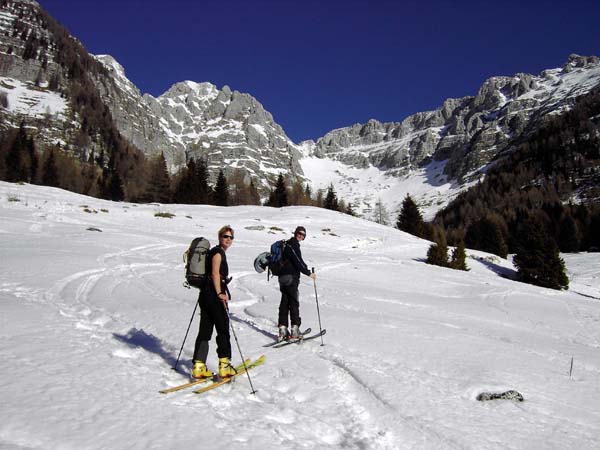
{"points": [[240, 371], [195, 382]]}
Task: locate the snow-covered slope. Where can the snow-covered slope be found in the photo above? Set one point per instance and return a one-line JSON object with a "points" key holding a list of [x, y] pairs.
{"points": [[364, 188], [93, 314], [23, 98]]}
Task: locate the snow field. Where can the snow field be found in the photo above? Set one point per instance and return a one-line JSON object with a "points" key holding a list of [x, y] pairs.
{"points": [[92, 322], [25, 98]]}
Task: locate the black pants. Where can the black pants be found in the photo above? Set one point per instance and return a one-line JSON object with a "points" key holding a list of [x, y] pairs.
{"points": [[212, 314], [290, 303]]}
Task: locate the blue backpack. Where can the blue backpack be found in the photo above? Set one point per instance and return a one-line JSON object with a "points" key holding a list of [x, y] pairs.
{"points": [[275, 260]]}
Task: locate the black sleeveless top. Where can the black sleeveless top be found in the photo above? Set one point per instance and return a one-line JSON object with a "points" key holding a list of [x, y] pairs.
{"points": [[223, 269]]}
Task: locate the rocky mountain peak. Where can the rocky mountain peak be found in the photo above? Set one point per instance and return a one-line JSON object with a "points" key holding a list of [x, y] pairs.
{"points": [[191, 90], [116, 69], [468, 131], [230, 129], [26, 2], [577, 61]]}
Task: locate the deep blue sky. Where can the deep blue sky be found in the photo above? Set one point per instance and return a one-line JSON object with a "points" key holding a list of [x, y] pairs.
{"points": [[320, 65]]}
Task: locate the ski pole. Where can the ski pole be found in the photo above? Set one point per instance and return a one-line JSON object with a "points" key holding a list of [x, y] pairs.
{"points": [[318, 313], [239, 349], [186, 334]]}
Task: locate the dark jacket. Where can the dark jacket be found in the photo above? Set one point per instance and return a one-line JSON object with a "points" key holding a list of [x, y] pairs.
{"points": [[294, 264]]}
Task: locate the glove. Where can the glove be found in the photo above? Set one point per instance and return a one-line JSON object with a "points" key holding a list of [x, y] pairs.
{"points": [[313, 276]]}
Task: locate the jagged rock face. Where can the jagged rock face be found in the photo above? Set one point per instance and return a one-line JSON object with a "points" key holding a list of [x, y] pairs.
{"points": [[19, 24], [197, 120], [468, 132], [24, 79]]}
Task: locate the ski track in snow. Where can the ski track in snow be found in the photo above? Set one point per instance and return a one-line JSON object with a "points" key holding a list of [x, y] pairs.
{"points": [[360, 432], [361, 429], [408, 346]]}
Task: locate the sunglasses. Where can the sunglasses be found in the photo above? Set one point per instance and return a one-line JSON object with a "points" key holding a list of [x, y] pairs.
{"points": [[301, 234], [227, 236]]}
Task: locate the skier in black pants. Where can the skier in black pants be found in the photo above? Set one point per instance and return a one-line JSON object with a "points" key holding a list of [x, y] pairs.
{"points": [[289, 279], [213, 302]]}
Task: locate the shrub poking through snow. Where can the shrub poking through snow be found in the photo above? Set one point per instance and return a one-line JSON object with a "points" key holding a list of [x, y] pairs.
{"points": [[166, 215]]}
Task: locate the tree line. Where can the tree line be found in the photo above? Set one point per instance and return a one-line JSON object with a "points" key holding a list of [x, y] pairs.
{"points": [[191, 185], [20, 161], [539, 198], [553, 175], [536, 256]]}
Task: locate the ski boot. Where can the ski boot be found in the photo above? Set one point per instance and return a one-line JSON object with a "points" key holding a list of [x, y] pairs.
{"points": [[226, 370], [200, 371], [283, 333], [296, 332]]}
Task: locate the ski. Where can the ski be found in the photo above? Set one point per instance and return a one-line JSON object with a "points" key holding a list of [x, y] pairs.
{"points": [[271, 344], [195, 382], [241, 371], [299, 341]]}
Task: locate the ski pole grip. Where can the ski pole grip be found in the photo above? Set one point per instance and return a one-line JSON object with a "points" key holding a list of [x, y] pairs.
{"points": [[312, 269]]}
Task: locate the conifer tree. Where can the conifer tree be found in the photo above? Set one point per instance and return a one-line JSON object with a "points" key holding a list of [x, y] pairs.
{"points": [[278, 197], [308, 193], [89, 174], [537, 258], [410, 219], [112, 185], [221, 190], [592, 237], [159, 184], [202, 190], [50, 171], [33, 160], [459, 257], [115, 186], [185, 189], [438, 251], [486, 235], [568, 235], [331, 201], [17, 167]]}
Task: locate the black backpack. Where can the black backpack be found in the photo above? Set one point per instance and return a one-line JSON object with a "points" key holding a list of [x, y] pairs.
{"points": [[195, 263]]}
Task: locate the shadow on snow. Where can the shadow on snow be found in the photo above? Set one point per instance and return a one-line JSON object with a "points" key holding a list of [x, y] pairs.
{"points": [[253, 325], [140, 339]]}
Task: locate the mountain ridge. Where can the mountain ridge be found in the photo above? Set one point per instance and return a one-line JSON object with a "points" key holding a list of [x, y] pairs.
{"points": [[448, 148], [195, 120]]}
